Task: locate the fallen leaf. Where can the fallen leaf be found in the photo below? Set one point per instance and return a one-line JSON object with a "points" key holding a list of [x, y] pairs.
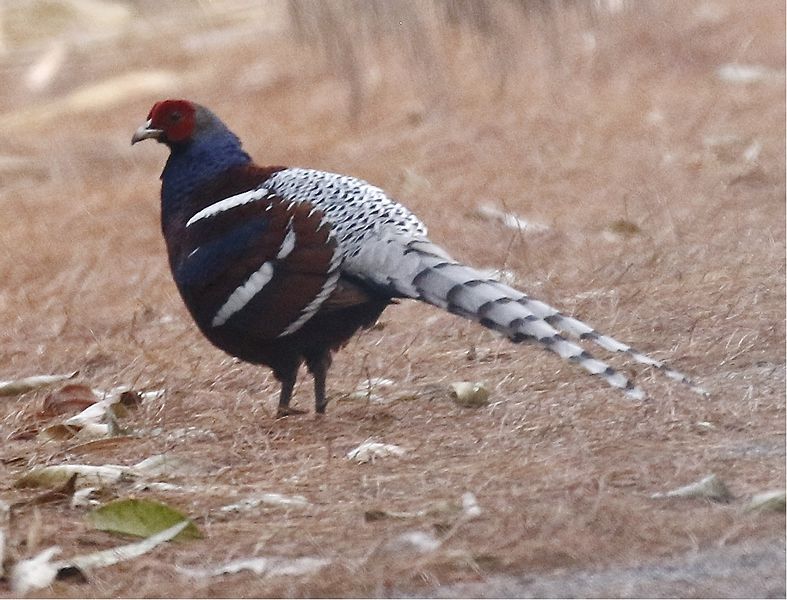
{"points": [[106, 558], [741, 73], [90, 475], [43, 71], [96, 413], [370, 451], [64, 492], [470, 507], [440, 509], [420, 542], [57, 432], [378, 514], [15, 387], [98, 418], [101, 445], [510, 220], [26, 433], [34, 573], [40, 571], [160, 465], [710, 487], [469, 394], [624, 228], [83, 497], [270, 499], [266, 566], [70, 398], [773, 500], [142, 518]]}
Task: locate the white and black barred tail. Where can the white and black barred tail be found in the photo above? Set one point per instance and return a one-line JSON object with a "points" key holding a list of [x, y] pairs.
{"points": [[462, 290]]}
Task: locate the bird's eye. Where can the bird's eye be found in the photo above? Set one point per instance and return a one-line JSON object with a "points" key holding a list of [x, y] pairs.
{"points": [[175, 117]]}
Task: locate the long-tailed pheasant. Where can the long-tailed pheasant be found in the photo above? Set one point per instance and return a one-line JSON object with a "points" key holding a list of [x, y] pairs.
{"points": [[281, 266]]}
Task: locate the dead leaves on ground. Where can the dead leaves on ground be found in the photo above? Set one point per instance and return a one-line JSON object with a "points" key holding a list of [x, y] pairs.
{"points": [[108, 497], [70, 398], [93, 413], [41, 570]]}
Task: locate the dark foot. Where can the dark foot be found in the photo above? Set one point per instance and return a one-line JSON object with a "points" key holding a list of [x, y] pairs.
{"points": [[288, 411]]}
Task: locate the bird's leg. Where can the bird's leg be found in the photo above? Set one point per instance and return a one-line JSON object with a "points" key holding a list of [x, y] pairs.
{"points": [[318, 367], [287, 385]]}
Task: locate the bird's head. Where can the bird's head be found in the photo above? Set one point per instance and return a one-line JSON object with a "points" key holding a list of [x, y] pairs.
{"points": [[172, 122], [202, 148]]}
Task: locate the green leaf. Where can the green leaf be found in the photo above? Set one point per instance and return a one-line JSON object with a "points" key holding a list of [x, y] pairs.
{"points": [[142, 518]]}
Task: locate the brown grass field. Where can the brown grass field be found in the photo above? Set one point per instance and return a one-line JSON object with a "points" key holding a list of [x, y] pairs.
{"points": [[662, 183]]}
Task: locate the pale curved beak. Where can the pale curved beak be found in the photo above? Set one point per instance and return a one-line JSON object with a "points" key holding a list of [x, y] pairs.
{"points": [[145, 133]]}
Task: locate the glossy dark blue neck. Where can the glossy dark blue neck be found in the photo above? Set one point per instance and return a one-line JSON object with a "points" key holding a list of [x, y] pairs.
{"points": [[197, 162]]}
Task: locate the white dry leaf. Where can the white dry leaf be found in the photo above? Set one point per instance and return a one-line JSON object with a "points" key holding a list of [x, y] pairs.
{"points": [[293, 567], [752, 151], [365, 395], [81, 498], [98, 419], [510, 220], [96, 413], [270, 499], [117, 393], [14, 387], [710, 487], [366, 390], [741, 73], [40, 571], [111, 556], [89, 475], [264, 566], [370, 451], [94, 431], [163, 486], [469, 394], [374, 382], [470, 508], [43, 71], [773, 500], [186, 433], [159, 465], [151, 395], [34, 573], [420, 542]]}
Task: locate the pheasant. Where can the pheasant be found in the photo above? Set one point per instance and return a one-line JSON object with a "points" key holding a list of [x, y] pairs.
{"points": [[281, 266]]}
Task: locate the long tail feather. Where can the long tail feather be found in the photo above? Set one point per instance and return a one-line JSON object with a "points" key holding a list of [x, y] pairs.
{"points": [[439, 280]]}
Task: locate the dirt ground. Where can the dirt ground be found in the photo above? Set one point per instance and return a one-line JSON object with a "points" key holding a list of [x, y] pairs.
{"points": [[651, 143]]}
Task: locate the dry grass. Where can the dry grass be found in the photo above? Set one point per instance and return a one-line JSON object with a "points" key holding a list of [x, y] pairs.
{"points": [[631, 125]]}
